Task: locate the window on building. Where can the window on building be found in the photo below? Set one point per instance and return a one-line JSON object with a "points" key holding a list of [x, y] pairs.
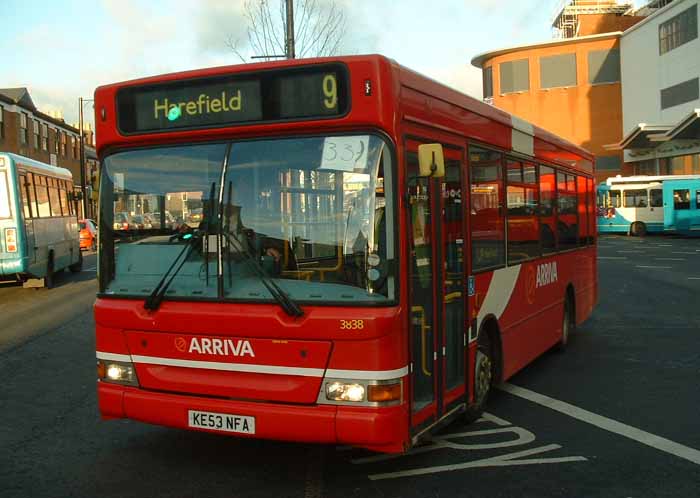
{"points": [[680, 93], [646, 167], [45, 137], [487, 224], [487, 75], [23, 132], [678, 30], [74, 151], [548, 195], [681, 199], [56, 140], [567, 211], [2, 123], [558, 71], [64, 138], [35, 129], [607, 163], [636, 198], [603, 66], [680, 165], [522, 221], [656, 198], [515, 76]]}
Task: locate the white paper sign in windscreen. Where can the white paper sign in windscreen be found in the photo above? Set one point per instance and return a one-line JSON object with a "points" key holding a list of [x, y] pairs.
{"points": [[345, 153]]}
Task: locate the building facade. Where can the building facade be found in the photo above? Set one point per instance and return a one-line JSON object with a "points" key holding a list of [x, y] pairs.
{"points": [[661, 92], [27, 131], [568, 86]]}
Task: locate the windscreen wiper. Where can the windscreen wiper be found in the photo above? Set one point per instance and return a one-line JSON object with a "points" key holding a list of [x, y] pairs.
{"points": [[153, 301], [287, 303]]}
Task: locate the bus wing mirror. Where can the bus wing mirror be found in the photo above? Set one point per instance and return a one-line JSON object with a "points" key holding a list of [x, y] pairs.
{"points": [[431, 161]]}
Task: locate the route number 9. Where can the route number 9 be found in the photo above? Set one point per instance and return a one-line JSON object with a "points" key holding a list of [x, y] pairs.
{"points": [[330, 90], [352, 324]]}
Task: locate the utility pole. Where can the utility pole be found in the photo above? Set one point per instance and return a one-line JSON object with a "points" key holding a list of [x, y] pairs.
{"points": [[290, 30], [82, 160]]}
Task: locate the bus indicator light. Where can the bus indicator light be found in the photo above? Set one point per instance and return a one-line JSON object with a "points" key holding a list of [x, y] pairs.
{"points": [[11, 239], [379, 393]]}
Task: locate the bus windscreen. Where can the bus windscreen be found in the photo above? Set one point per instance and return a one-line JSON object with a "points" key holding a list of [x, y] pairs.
{"points": [[309, 93]]}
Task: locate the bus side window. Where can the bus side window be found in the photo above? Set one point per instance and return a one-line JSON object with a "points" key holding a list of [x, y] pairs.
{"points": [[23, 195], [486, 207], [615, 199], [656, 198], [681, 199]]}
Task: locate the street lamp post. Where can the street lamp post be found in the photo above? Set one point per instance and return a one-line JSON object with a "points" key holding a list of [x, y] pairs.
{"points": [[82, 155]]}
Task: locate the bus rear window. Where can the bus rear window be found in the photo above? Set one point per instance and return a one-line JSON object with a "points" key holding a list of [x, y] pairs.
{"points": [[5, 211]]}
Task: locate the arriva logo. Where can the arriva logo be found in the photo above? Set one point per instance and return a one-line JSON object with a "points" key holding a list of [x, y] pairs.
{"points": [[546, 273], [222, 347]]}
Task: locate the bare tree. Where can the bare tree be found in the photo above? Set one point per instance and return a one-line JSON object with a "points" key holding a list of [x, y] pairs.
{"points": [[319, 28]]}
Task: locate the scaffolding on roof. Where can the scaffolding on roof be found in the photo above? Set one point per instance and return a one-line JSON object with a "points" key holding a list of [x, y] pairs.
{"points": [[565, 20]]}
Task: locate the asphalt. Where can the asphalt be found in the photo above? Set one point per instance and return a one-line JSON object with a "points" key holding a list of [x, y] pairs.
{"points": [[629, 427]]}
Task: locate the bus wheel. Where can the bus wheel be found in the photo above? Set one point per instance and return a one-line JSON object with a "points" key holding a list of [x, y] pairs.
{"points": [[48, 279], [568, 324], [484, 376], [77, 267], [638, 229]]}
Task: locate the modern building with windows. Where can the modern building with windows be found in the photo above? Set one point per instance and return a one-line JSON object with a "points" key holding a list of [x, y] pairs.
{"points": [[661, 92], [27, 131], [619, 81]]}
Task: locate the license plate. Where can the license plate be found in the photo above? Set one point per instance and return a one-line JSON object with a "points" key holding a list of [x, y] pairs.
{"points": [[221, 422]]}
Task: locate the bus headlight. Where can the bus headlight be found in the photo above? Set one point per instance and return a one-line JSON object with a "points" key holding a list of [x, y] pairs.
{"points": [[117, 372], [342, 391]]}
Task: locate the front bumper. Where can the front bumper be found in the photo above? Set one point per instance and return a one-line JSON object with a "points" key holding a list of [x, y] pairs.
{"points": [[380, 429]]}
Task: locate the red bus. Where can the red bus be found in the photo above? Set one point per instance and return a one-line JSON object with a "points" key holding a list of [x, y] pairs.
{"points": [[333, 250]]}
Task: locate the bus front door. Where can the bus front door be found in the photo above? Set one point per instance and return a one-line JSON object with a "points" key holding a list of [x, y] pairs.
{"points": [[437, 290]]}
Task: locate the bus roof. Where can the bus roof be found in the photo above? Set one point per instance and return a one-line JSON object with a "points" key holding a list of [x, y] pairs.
{"points": [[38, 166], [373, 64], [639, 179]]}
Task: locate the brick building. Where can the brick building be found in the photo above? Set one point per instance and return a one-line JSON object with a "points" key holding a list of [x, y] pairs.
{"points": [[27, 131]]}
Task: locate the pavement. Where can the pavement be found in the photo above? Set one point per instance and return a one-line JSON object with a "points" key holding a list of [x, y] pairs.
{"points": [[615, 415]]}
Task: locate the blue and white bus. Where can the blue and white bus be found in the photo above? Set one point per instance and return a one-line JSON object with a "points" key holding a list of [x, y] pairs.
{"points": [[637, 205], [39, 233]]}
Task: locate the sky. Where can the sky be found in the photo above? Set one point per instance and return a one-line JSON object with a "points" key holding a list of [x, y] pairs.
{"points": [[63, 49]]}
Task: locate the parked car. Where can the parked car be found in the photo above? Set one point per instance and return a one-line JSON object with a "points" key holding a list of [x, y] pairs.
{"points": [[121, 221], [88, 234]]}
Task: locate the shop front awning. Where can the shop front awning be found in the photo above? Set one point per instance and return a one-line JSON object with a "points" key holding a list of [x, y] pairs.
{"points": [[641, 137], [687, 128]]}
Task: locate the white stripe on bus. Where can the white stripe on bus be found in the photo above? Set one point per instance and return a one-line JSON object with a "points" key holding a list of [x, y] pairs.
{"points": [[256, 368]]}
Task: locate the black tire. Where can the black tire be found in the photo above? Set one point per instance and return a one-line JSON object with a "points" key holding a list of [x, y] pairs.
{"points": [[49, 278], [568, 325], [77, 267], [638, 229], [485, 377]]}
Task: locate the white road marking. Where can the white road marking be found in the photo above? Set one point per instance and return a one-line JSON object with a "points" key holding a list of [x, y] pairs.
{"points": [[646, 438], [612, 257], [508, 460], [684, 252], [670, 259], [655, 267], [635, 252], [693, 278], [94, 268]]}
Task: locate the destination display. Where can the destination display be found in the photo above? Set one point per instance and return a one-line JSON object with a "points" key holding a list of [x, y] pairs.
{"points": [[317, 92]]}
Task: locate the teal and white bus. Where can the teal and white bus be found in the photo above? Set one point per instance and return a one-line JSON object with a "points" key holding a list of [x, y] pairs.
{"points": [[39, 233], [637, 205]]}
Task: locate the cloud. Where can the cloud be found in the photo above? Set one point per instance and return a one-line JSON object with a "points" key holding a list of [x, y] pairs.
{"points": [[216, 22], [464, 78]]}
